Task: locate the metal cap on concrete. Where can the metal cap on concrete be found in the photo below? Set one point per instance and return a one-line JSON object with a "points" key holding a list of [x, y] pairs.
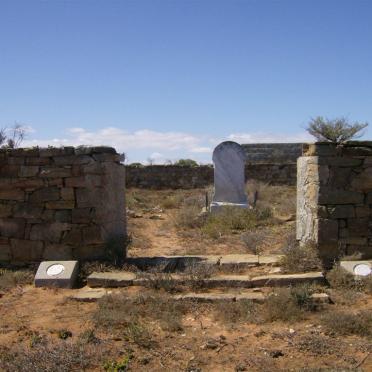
{"points": [[57, 274]]}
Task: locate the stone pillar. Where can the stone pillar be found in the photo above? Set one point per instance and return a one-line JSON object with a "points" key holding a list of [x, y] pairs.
{"points": [[334, 199]]}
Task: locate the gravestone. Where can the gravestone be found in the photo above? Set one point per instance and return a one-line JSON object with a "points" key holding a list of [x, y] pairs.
{"points": [[60, 274], [357, 268], [229, 179]]}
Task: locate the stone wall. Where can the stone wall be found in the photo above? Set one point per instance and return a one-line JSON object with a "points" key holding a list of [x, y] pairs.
{"points": [[334, 198], [60, 203], [272, 153], [172, 176]]}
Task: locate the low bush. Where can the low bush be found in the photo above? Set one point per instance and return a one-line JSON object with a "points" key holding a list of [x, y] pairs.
{"points": [[348, 323], [240, 311], [298, 258]]}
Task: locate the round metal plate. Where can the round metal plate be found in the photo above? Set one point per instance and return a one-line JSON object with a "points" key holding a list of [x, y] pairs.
{"points": [[55, 269], [362, 269]]}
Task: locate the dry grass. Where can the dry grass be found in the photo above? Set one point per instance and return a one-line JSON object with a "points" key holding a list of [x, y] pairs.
{"points": [[13, 278], [342, 322], [340, 279], [131, 316], [298, 258], [237, 312], [64, 357]]}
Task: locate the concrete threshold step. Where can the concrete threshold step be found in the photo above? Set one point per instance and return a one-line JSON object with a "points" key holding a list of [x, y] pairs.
{"points": [[173, 263], [126, 279], [87, 294]]}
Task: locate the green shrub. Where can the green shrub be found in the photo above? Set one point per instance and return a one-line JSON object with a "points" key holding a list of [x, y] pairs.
{"points": [[338, 130]]}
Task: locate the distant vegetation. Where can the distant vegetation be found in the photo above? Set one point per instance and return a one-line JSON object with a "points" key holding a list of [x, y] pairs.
{"points": [[338, 130], [11, 138], [186, 163]]}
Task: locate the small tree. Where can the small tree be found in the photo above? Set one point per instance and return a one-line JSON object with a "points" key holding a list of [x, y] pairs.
{"points": [[186, 163], [338, 130], [12, 137]]}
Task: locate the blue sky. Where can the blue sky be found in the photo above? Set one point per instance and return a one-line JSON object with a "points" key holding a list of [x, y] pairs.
{"points": [[166, 79]]}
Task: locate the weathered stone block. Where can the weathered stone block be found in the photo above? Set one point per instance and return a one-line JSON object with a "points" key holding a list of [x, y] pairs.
{"points": [[38, 161], [339, 177], [364, 251], [51, 232], [341, 211], [55, 172], [86, 181], [9, 170], [83, 215], [56, 151], [358, 227], [362, 211], [87, 198], [57, 252], [327, 230], [339, 196], [5, 252], [92, 235], [63, 216], [26, 250], [60, 204], [28, 171], [28, 183], [90, 252], [363, 181], [107, 157], [12, 194], [25, 210], [12, 227], [73, 237], [16, 160], [45, 194], [67, 193], [5, 210]]}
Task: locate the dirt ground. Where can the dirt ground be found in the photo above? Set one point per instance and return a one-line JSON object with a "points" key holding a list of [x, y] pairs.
{"points": [[44, 330]]}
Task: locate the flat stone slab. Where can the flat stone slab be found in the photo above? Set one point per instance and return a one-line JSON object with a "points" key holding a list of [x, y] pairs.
{"points": [[111, 279], [125, 279], [221, 297], [57, 274], [229, 260], [287, 279], [87, 294], [358, 268]]}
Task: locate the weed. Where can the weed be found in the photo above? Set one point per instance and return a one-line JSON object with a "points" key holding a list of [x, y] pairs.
{"points": [[64, 334], [117, 366], [197, 273], [188, 217], [139, 334], [240, 311], [50, 357], [13, 278], [340, 279], [230, 220], [318, 344], [88, 337], [253, 240], [302, 295], [157, 281], [348, 323], [299, 258], [281, 305]]}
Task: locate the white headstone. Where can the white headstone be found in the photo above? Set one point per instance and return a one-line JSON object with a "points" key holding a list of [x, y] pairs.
{"points": [[229, 178]]}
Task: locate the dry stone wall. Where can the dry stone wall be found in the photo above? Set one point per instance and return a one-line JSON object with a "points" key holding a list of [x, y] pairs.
{"points": [[60, 203], [179, 177], [334, 198]]}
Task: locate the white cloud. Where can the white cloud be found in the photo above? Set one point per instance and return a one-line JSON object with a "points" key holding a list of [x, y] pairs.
{"points": [[159, 146]]}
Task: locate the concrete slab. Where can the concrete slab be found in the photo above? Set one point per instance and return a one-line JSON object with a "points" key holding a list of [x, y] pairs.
{"points": [[221, 297], [87, 294], [358, 268], [287, 279], [58, 274], [125, 279], [111, 279]]}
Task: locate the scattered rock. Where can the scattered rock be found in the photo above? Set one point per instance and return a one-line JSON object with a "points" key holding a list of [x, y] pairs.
{"points": [[276, 353], [156, 217]]}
